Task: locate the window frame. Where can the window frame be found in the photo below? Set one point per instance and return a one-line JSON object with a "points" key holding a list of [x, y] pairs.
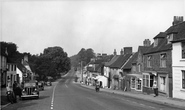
{"points": [[149, 60], [133, 83], [163, 59], [183, 79], [183, 49]]}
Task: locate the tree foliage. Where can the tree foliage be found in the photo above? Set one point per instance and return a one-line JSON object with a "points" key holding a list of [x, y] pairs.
{"points": [[52, 62], [10, 50], [83, 55]]}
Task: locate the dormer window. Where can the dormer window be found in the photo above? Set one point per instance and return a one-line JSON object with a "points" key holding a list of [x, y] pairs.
{"points": [[155, 42], [170, 38]]}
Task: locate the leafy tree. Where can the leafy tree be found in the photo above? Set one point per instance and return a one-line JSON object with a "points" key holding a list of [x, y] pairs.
{"points": [[83, 55], [10, 50], [52, 62]]}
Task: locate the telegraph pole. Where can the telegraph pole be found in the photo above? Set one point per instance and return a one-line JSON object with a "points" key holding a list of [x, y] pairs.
{"points": [[81, 70]]}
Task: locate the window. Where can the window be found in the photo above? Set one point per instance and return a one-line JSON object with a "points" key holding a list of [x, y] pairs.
{"points": [[155, 42], [183, 49], [163, 60], [139, 68], [14, 67], [149, 58], [148, 80], [170, 38], [183, 79], [138, 84], [133, 84]]}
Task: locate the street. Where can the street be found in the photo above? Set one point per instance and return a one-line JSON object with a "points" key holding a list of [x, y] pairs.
{"points": [[67, 95]]}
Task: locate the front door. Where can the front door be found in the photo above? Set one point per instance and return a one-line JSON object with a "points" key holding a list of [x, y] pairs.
{"points": [[162, 84]]}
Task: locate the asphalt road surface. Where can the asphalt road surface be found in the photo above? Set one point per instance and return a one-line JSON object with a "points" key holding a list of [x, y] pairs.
{"points": [[66, 95]]}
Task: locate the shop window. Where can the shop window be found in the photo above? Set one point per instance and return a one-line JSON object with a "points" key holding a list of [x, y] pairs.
{"points": [[138, 84], [183, 50], [163, 60], [183, 79], [148, 80], [133, 83]]}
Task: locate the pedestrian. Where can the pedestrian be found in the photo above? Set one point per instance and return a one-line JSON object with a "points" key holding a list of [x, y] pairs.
{"points": [[15, 90], [19, 90], [155, 89]]}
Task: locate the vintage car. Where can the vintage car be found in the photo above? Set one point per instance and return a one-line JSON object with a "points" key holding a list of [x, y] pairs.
{"points": [[41, 85], [30, 90], [48, 83]]}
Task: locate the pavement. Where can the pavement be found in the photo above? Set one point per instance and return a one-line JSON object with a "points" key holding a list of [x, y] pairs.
{"points": [[159, 99], [4, 101]]}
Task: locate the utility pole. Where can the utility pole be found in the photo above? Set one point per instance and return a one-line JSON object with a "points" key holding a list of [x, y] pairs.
{"points": [[81, 70]]}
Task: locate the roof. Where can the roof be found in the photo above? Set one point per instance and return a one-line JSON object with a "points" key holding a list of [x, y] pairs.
{"points": [[120, 61], [21, 67], [179, 34], [179, 29], [160, 35], [128, 65], [143, 49], [112, 60]]}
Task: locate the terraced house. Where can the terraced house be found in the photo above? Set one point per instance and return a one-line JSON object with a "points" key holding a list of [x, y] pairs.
{"points": [[158, 60]]}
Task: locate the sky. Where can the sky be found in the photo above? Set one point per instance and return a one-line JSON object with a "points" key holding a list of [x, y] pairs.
{"points": [[103, 25]]}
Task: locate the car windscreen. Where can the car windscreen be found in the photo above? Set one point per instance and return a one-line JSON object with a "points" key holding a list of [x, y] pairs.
{"points": [[29, 85]]}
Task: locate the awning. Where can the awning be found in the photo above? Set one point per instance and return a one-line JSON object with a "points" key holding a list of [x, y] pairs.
{"points": [[136, 75]]}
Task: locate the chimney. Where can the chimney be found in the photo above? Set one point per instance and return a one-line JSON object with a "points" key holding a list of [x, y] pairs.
{"points": [[127, 50], [115, 53], [26, 57], [146, 42], [121, 52], [177, 20]]}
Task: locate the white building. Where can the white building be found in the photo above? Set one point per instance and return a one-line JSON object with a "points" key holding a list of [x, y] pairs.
{"points": [[178, 68], [11, 73]]}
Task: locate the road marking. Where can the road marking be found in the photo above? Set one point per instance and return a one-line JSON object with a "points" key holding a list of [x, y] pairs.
{"points": [[53, 95]]}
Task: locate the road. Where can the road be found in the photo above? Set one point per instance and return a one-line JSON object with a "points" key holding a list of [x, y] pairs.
{"points": [[66, 95]]}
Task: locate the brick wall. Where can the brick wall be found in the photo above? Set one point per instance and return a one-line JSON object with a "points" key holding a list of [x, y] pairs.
{"points": [[155, 63]]}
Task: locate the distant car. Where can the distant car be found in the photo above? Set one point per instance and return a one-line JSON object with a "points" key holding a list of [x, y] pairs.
{"points": [[48, 83], [30, 90], [41, 85]]}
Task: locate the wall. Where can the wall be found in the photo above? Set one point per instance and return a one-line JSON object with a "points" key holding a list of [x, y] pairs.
{"points": [[178, 65]]}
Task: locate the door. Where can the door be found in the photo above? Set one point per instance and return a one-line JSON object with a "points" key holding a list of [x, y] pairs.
{"points": [[162, 84]]}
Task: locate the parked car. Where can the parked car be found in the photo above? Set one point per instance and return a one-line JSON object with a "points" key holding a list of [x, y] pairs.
{"points": [[30, 90], [48, 83], [41, 85]]}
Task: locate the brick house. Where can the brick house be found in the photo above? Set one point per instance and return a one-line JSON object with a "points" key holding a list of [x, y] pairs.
{"points": [[158, 61]]}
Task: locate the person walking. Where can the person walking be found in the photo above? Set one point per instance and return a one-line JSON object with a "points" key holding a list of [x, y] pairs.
{"points": [[155, 89], [15, 90]]}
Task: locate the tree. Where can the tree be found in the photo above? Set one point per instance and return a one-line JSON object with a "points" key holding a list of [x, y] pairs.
{"points": [[52, 62], [10, 49]]}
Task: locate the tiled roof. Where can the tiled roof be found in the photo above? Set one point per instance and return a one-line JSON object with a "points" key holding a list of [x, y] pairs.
{"points": [[21, 67], [143, 49], [128, 65], [179, 34], [179, 29], [120, 61], [161, 35], [112, 60]]}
